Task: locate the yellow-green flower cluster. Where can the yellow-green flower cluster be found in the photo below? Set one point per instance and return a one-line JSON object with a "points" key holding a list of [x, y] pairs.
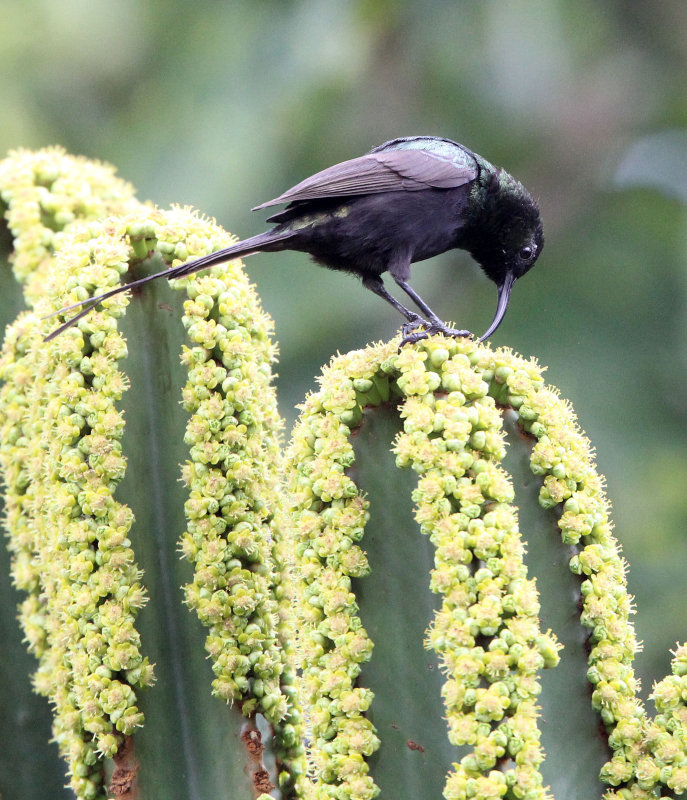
{"points": [[233, 438], [329, 516], [487, 631], [647, 755], [45, 193], [452, 439], [61, 461]]}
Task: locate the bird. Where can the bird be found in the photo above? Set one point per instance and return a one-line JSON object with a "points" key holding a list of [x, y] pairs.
{"points": [[405, 201]]}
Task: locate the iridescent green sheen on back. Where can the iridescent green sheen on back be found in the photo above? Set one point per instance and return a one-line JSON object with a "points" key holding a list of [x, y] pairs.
{"points": [[446, 148]]}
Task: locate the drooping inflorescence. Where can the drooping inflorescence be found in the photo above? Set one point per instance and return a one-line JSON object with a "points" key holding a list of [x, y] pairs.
{"points": [[451, 396], [62, 461]]}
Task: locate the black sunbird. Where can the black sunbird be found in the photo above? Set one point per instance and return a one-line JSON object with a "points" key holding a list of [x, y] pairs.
{"points": [[405, 201]]}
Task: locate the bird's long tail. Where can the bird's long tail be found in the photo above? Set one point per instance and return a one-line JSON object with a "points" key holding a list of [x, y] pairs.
{"points": [[270, 240]]}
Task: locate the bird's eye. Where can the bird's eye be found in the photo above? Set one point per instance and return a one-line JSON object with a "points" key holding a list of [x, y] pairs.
{"points": [[527, 252]]}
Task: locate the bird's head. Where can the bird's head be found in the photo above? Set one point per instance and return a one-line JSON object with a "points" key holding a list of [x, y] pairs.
{"points": [[506, 238]]}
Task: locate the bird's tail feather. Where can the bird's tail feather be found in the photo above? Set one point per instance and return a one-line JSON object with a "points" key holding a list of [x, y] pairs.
{"points": [[246, 247]]}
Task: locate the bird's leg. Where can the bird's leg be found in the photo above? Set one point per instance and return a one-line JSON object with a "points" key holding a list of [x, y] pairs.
{"points": [[375, 284], [419, 302], [435, 324]]}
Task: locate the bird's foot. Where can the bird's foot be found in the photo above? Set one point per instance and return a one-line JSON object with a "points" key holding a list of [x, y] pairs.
{"points": [[412, 325], [412, 335]]}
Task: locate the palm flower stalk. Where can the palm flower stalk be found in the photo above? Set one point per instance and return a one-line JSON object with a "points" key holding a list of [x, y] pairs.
{"points": [[456, 401], [62, 416], [459, 626]]}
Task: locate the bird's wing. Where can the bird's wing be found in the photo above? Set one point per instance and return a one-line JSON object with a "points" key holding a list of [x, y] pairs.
{"points": [[389, 171]]}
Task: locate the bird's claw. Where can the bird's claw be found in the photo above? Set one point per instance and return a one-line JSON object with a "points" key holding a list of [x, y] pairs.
{"points": [[413, 325], [412, 335]]}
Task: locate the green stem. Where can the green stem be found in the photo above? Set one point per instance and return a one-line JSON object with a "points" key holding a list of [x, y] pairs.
{"points": [[574, 744], [396, 607], [186, 727]]}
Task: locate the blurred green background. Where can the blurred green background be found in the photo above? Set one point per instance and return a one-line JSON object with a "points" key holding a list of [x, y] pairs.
{"points": [[223, 105]]}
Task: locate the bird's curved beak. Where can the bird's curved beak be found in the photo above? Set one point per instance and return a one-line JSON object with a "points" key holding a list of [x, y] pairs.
{"points": [[502, 305]]}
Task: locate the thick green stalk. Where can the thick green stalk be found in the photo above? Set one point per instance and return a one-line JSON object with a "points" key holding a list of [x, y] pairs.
{"points": [[396, 607], [567, 715], [197, 725]]}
